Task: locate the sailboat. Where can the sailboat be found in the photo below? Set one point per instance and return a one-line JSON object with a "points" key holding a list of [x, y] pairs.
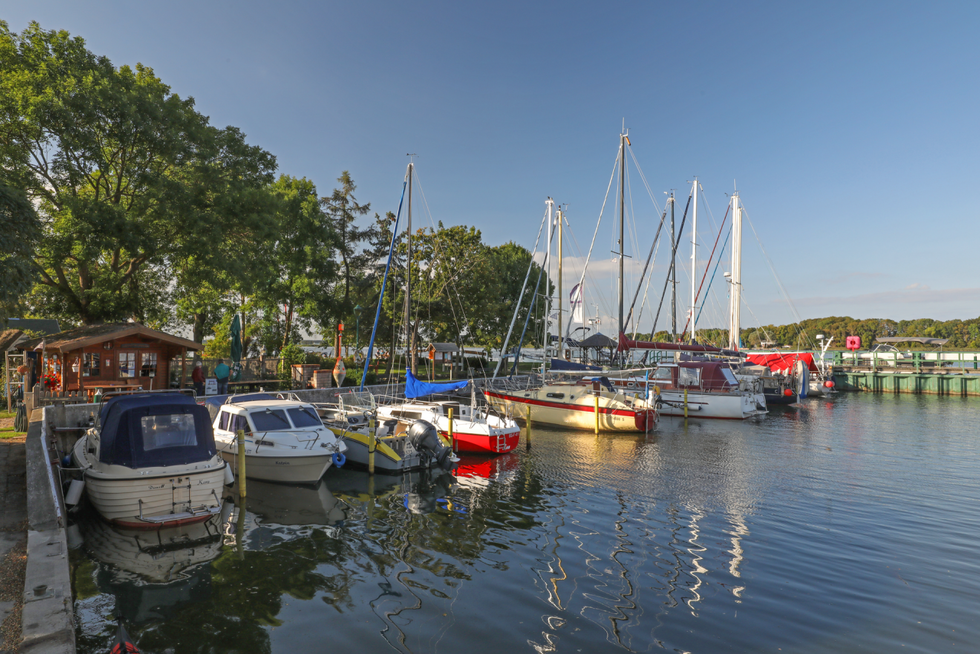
{"points": [[589, 401], [699, 387], [401, 436]]}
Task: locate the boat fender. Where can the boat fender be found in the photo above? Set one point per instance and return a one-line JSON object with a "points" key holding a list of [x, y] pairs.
{"points": [[229, 475], [339, 459], [74, 494], [828, 384], [788, 392], [66, 462]]}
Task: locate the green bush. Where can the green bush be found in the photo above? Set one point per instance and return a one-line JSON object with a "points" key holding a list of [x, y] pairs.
{"points": [[290, 356]]}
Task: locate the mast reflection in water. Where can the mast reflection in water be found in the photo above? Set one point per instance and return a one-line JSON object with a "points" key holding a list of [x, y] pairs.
{"points": [[811, 530]]}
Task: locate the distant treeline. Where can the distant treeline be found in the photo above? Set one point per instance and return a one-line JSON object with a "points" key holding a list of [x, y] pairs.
{"points": [[962, 334]]}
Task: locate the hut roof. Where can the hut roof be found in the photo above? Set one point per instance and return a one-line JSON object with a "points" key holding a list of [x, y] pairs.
{"points": [[597, 340], [75, 339], [10, 338], [42, 326]]}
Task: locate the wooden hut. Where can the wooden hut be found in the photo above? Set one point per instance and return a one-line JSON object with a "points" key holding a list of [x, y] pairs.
{"points": [[109, 356]]}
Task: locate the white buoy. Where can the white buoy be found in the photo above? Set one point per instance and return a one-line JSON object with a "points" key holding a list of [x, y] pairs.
{"points": [[74, 494], [229, 475]]}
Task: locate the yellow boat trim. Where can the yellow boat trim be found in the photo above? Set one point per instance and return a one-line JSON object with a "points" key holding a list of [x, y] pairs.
{"points": [[380, 447]]}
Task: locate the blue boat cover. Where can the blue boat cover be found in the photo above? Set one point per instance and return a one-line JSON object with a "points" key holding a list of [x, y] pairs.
{"points": [[561, 364], [415, 388], [150, 430]]}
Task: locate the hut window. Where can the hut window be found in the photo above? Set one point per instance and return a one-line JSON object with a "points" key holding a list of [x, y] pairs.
{"points": [[90, 364], [127, 364], [149, 366]]}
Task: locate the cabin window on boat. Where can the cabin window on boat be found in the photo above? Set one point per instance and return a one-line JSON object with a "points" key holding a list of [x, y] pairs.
{"points": [[90, 364], [689, 376], [304, 417], [410, 415], [236, 423], [149, 365], [729, 376], [270, 420], [173, 430], [127, 364]]}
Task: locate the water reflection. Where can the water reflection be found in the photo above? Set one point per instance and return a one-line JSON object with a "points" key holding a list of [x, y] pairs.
{"points": [[795, 532], [152, 573]]}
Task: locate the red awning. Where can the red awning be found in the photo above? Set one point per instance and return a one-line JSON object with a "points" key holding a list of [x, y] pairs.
{"points": [[783, 361]]}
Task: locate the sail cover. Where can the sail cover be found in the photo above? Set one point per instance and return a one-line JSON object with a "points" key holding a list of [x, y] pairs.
{"points": [[415, 388], [626, 343]]}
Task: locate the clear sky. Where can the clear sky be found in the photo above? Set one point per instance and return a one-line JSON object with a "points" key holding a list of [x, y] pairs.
{"points": [[851, 129]]}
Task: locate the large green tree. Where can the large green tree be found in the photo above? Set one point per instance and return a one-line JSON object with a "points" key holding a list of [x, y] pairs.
{"points": [[298, 263], [344, 210], [129, 179]]}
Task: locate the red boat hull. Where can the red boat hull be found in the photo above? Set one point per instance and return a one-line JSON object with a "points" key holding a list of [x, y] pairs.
{"points": [[483, 444]]}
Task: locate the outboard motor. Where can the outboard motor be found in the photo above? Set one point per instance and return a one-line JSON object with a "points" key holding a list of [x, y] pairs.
{"points": [[425, 438]]}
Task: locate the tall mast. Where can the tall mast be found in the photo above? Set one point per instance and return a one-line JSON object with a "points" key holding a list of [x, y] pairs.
{"points": [[734, 327], [673, 274], [623, 140], [694, 266], [409, 332], [547, 288], [561, 218]]}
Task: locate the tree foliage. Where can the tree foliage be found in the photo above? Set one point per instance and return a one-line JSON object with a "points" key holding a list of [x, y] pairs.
{"points": [[128, 178], [20, 231]]}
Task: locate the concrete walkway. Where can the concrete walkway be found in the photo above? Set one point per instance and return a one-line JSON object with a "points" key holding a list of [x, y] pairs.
{"points": [[13, 540]]}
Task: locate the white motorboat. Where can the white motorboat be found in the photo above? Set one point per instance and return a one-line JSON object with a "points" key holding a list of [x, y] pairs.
{"points": [[151, 462], [285, 440]]}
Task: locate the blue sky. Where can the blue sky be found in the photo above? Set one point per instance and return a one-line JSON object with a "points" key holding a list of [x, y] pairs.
{"points": [[850, 128]]}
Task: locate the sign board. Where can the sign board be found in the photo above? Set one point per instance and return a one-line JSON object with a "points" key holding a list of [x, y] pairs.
{"points": [[210, 386], [339, 372]]}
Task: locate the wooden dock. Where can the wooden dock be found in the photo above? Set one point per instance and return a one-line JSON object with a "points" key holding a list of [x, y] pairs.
{"points": [[950, 381]]}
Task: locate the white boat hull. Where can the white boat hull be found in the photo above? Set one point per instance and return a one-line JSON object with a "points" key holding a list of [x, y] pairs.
{"points": [[152, 497], [725, 406], [298, 469]]}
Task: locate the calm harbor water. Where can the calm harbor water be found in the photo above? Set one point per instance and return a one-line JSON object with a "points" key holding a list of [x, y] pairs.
{"points": [[850, 525]]}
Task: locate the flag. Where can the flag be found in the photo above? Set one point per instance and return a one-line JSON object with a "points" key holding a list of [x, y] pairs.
{"points": [[575, 300]]}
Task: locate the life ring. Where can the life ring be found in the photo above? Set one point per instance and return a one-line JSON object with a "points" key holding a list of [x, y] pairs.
{"points": [[339, 459]]}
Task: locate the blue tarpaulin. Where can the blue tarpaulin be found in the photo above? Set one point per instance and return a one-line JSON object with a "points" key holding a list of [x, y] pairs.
{"points": [[415, 388], [561, 364]]}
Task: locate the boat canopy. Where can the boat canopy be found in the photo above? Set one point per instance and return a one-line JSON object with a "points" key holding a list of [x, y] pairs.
{"points": [[415, 388], [145, 431], [783, 361]]}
